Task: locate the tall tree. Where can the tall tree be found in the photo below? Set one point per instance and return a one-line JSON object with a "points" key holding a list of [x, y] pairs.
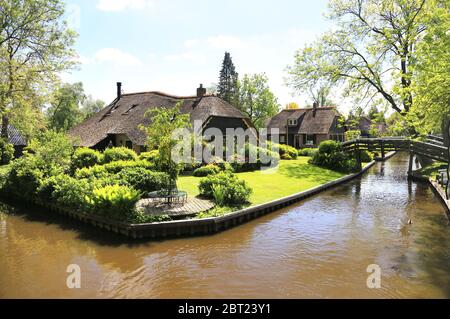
{"points": [[227, 88], [64, 112], [160, 136], [431, 84], [90, 106], [372, 50], [256, 99], [35, 45]]}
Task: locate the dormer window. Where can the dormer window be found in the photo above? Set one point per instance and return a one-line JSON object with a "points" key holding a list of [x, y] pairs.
{"points": [[292, 122]]}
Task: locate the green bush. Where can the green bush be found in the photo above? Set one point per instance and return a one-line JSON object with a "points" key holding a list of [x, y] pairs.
{"points": [[6, 152], [232, 190], [352, 135], [114, 202], [99, 171], [365, 156], [286, 156], [207, 170], [307, 152], [285, 151], [52, 151], [115, 154], [330, 155], [217, 211], [25, 176], [143, 179], [5, 170], [67, 191], [151, 156], [86, 157]]}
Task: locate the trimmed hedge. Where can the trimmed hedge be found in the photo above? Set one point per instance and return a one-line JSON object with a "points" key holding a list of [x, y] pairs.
{"points": [[86, 157], [115, 154], [143, 179], [206, 170], [307, 152]]}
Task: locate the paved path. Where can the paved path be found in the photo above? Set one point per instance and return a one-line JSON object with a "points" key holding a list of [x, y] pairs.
{"points": [[193, 206]]}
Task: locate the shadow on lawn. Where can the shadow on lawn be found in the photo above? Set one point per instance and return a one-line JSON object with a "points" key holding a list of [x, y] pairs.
{"points": [[306, 171]]}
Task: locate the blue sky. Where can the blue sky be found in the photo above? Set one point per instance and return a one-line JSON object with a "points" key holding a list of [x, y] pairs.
{"points": [[173, 45]]}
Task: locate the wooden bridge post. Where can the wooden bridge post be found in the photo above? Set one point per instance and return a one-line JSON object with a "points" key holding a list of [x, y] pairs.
{"points": [[382, 149], [411, 159], [358, 157]]}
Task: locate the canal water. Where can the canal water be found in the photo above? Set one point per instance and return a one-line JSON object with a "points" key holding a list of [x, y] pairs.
{"points": [[320, 247]]}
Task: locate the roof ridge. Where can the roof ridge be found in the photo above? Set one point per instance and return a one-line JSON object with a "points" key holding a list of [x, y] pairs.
{"points": [[167, 95]]}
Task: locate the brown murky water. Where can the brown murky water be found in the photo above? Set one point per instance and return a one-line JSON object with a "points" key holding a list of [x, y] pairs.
{"points": [[318, 248]]}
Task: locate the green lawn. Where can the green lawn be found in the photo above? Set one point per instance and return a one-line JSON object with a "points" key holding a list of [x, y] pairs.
{"points": [[288, 178]]}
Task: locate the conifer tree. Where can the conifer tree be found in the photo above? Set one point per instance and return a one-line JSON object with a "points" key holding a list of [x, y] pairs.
{"points": [[228, 80]]}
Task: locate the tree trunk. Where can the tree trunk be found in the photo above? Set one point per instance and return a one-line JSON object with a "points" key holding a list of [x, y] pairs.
{"points": [[5, 123]]}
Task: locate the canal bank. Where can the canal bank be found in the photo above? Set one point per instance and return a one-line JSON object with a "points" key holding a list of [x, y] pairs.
{"points": [[194, 227], [319, 247]]}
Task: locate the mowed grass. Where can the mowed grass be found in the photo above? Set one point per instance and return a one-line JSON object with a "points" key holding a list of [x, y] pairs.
{"points": [[288, 178]]}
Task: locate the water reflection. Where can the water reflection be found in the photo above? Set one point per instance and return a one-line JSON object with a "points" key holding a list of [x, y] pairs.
{"points": [[318, 248]]}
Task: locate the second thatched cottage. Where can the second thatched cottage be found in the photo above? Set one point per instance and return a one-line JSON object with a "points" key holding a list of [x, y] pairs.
{"points": [[307, 127], [118, 123]]}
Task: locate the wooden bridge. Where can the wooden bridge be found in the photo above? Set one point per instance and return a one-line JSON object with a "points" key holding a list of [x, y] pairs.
{"points": [[433, 148]]}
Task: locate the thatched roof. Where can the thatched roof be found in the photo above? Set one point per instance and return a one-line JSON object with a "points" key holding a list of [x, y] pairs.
{"points": [[124, 116], [15, 137], [309, 121], [280, 120]]}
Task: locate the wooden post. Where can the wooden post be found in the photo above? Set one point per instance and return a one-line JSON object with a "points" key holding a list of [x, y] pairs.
{"points": [[411, 158], [382, 149], [357, 157]]}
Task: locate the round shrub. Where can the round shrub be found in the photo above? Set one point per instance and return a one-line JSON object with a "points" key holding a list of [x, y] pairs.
{"points": [[25, 177], [207, 170], [115, 154], [285, 149], [225, 188], [286, 156], [151, 156], [365, 156], [307, 152], [330, 155], [6, 152], [143, 179], [85, 157]]}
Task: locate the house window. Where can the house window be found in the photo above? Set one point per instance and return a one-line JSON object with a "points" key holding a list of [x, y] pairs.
{"points": [[310, 139], [129, 144], [292, 122], [282, 139]]}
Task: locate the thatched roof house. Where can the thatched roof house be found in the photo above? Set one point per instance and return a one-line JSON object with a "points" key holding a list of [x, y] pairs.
{"points": [[307, 127], [118, 123], [16, 139]]}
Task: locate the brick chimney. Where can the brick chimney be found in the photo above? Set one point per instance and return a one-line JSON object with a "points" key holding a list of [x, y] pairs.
{"points": [[201, 91], [119, 90], [314, 109]]}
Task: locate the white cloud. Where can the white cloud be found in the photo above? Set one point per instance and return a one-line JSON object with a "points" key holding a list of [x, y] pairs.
{"points": [[225, 42], [120, 5], [116, 56], [185, 56], [191, 43]]}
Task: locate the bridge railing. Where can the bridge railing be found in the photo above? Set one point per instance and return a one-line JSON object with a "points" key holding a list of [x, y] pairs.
{"points": [[430, 150]]}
